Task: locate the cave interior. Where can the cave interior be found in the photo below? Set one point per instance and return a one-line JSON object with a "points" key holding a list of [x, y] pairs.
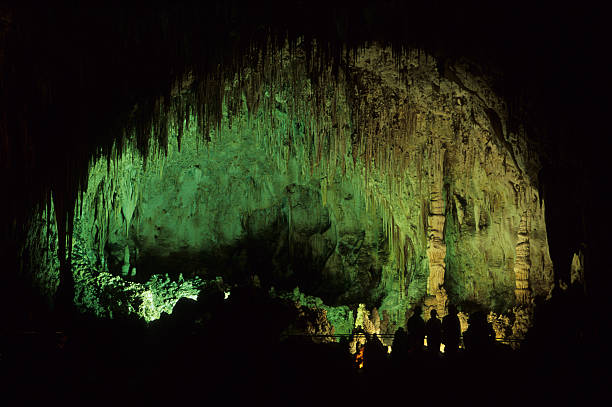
{"points": [[223, 192]]}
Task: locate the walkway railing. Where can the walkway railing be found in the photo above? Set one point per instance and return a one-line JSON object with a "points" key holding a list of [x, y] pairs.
{"points": [[507, 341]]}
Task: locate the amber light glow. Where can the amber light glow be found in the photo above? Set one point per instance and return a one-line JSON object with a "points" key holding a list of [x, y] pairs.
{"points": [[359, 358]]}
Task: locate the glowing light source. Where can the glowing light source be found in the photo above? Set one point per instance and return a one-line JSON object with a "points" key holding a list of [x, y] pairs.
{"points": [[359, 358]]}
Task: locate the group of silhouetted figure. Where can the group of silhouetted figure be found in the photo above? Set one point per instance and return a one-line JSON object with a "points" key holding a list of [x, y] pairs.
{"points": [[447, 331], [478, 339], [238, 346]]}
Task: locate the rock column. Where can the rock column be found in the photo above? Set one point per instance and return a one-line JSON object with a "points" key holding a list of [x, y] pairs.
{"points": [[522, 263], [436, 248]]}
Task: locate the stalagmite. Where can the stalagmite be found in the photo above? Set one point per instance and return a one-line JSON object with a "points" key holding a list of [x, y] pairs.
{"points": [[522, 263], [577, 268], [436, 248]]}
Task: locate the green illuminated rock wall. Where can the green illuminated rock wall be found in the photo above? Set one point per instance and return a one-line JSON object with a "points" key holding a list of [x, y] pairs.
{"points": [[228, 209], [406, 186]]}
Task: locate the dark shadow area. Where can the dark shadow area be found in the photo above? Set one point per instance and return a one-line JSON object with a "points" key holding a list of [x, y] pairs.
{"points": [[236, 350]]}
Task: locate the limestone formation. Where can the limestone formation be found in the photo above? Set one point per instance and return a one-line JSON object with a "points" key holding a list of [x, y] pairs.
{"points": [[399, 183], [436, 248], [313, 322], [577, 268], [522, 263]]}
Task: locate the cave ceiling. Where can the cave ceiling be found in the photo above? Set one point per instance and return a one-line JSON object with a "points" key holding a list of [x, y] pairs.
{"points": [[360, 159]]}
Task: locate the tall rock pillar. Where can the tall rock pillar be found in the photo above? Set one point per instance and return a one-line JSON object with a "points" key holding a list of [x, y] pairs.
{"points": [[436, 248], [522, 263]]}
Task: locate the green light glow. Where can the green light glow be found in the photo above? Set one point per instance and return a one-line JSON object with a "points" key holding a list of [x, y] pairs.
{"points": [[385, 206]]}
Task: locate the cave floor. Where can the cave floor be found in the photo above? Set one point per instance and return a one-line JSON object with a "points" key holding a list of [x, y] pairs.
{"points": [[125, 363]]}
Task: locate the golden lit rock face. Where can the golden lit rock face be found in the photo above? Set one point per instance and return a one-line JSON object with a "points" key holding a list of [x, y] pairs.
{"points": [[458, 184], [577, 268], [522, 263], [436, 247]]}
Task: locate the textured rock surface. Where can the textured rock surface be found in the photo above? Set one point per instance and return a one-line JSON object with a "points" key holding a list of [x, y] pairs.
{"points": [[466, 182], [413, 190], [228, 210], [522, 263]]}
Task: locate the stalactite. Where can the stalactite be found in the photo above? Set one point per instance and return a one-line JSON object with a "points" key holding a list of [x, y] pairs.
{"points": [[314, 94]]}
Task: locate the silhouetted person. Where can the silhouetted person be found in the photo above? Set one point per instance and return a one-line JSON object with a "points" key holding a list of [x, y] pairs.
{"points": [[400, 346], [451, 331], [416, 330], [378, 343], [479, 336], [374, 353], [433, 329], [184, 313], [536, 339]]}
